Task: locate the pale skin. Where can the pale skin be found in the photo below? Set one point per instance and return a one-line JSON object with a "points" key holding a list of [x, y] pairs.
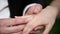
{"points": [[9, 25], [6, 25], [45, 17], [48, 20], [56, 3], [37, 24], [46, 14], [50, 13]]}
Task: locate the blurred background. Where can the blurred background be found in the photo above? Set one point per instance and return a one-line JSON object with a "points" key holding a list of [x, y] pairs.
{"points": [[56, 28]]}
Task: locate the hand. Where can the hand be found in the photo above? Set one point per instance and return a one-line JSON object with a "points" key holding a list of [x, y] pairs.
{"points": [[33, 11], [46, 17], [6, 24], [11, 25], [35, 30]]}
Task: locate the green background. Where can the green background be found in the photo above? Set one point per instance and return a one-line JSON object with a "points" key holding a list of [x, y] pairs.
{"points": [[56, 28]]}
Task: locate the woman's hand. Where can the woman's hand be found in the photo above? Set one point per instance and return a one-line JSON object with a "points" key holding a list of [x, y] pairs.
{"points": [[46, 17], [13, 25], [33, 10]]}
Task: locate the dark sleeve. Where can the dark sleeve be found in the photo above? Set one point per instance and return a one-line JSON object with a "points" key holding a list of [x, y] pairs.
{"points": [[17, 6], [42, 2]]}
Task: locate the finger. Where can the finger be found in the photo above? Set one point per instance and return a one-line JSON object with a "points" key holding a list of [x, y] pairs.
{"points": [[48, 28], [29, 17], [13, 29], [34, 32], [34, 9], [23, 16], [38, 28], [17, 32], [29, 27], [12, 21]]}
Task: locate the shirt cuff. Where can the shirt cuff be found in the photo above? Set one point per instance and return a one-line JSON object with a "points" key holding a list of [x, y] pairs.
{"points": [[27, 7], [5, 13]]}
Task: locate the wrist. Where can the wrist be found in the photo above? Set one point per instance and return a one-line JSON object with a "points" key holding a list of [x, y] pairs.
{"points": [[54, 9], [58, 12], [56, 3]]}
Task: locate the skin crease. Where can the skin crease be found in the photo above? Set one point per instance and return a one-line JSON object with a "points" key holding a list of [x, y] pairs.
{"points": [[23, 20], [8, 25], [32, 11], [48, 29], [43, 18], [55, 3]]}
